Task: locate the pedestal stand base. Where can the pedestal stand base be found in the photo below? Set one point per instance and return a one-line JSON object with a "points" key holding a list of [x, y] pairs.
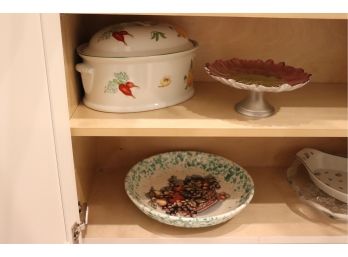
{"points": [[255, 105]]}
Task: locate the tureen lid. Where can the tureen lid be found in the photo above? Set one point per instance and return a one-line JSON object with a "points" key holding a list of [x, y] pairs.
{"points": [[135, 39]]}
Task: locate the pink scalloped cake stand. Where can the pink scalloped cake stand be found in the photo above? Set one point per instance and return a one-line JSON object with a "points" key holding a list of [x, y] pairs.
{"points": [[257, 76]]}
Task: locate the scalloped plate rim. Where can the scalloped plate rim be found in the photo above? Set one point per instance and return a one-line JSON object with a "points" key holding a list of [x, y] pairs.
{"points": [[255, 87]]}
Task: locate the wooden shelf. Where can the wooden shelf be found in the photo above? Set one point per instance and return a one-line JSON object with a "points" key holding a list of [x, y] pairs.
{"points": [[274, 215], [316, 110], [341, 16]]}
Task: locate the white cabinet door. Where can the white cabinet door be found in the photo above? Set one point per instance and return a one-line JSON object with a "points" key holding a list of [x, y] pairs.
{"points": [[32, 193]]}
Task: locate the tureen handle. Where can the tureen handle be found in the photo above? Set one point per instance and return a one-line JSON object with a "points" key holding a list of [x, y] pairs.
{"points": [[87, 75]]}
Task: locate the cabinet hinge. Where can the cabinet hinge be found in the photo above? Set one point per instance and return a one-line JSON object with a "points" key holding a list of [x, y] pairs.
{"points": [[78, 227]]}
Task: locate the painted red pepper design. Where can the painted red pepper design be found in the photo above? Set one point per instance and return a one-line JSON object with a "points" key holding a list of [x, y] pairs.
{"points": [[126, 88], [130, 84], [119, 36], [122, 83]]}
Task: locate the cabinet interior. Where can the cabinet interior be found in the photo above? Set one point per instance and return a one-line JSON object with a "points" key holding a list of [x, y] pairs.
{"points": [[103, 157], [274, 215], [319, 46], [119, 154]]}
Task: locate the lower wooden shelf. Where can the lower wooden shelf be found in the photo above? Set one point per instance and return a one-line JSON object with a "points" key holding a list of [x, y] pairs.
{"points": [[274, 215]]}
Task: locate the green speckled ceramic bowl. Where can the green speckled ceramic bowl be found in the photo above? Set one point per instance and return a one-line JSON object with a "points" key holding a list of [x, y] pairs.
{"points": [[155, 171]]}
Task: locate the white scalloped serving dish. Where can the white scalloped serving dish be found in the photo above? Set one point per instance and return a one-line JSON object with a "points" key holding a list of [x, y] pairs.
{"points": [[312, 195], [328, 172]]}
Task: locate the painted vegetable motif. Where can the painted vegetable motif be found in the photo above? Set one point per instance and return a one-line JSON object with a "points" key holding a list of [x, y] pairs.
{"points": [[117, 33], [180, 32], [157, 35], [189, 77], [119, 36], [121, 81], [165, 81]]}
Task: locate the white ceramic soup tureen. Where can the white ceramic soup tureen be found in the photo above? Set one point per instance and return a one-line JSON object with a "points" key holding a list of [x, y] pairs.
{"points": [[137, 66]]}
